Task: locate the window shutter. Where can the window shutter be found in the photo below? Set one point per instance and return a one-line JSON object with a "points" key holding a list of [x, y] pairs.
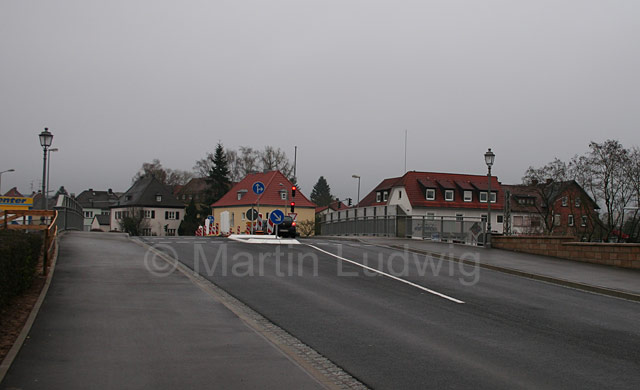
{"points": [[177, 215], [166, 215], [153, 214]]}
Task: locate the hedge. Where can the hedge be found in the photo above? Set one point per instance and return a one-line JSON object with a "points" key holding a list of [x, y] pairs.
{"points": [[19, 253]]}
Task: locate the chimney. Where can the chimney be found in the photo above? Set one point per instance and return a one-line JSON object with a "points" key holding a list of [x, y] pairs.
{"points": [[90, 189], [110, 191]]}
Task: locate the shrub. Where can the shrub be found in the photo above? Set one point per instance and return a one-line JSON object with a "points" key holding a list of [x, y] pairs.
{"points": [[19, 253]]}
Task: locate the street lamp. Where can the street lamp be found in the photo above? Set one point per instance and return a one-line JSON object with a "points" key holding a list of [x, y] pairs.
{"points": [[8, 170], [49, 167], [357, 177], [489, 157], [45, 141]]}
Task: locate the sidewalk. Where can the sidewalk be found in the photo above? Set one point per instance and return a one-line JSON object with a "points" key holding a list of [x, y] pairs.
{"points": [[603, 279], [108, 323]]}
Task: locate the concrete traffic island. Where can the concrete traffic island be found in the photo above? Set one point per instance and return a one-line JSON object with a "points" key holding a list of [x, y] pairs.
{"points": [[108, 322], [263, 239]]}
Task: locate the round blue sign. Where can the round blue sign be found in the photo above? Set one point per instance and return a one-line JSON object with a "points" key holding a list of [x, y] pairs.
{"points": [[210, 218], [276, 217], [258, 187]]}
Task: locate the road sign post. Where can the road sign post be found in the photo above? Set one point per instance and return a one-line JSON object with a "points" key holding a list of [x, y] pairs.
{"points": [[277, 217]]}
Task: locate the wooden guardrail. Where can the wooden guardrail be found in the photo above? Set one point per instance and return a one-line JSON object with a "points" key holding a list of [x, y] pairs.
{"points": [[47, 225]]}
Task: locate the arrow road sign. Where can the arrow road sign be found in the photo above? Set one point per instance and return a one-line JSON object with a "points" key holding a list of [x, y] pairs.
{"points": [[258, 187], [276, 217], [252, 214]]}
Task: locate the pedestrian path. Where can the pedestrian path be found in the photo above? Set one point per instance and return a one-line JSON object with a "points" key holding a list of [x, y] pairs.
{"points": [[109, 323]]}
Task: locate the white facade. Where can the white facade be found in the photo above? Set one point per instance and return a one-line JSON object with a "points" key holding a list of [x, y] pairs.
{"points": [[89, 214], [156, 218]]}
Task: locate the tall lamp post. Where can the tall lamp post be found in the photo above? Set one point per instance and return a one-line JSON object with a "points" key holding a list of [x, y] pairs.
{"points": [[8, 170], [489, 157], [49, 167], [45, 141], [357, 177]]}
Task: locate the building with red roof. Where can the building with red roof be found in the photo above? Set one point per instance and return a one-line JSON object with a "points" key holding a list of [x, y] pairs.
{"points": [[430, 196], [231, 209]]}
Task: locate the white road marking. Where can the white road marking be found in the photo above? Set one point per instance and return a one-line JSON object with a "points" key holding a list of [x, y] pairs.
{"points": [[389, 275]]}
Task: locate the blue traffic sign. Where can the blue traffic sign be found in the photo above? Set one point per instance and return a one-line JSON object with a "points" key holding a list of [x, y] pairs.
{"points": [[276, 217], [211, 218], [258, 187]]}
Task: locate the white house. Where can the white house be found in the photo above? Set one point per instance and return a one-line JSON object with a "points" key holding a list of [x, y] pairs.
{"points": [[161, 212], [96, 203]]}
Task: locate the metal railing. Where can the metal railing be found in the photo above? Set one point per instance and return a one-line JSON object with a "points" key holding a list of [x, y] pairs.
{"points": [[466, 230]]}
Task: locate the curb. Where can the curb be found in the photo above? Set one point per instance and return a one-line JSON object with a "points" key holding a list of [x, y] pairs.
{"points": [[524, 274], [17, 345], [320, 368]]}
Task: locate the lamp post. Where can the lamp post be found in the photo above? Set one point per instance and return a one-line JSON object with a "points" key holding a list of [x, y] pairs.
{"points": [[357, 177], [45, 141], [489, 157], [49, 167], [8, 170]]}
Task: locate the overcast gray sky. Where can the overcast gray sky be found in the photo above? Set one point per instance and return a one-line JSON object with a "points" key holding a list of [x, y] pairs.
{"points": [[120, 82]]}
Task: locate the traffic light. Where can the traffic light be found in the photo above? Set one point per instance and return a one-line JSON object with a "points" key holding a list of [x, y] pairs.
{"points": [[293, 191], [293, 206]]}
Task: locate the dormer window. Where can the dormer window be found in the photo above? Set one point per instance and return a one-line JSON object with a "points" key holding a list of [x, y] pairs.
{"points": [[385, 196], [283, 195], [158, 198], [241, 194], [468, 196], [431, 194], [448, 195], [378, 196], [127, 197]]}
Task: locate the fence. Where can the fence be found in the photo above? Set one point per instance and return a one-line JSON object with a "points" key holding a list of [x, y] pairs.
{"points": [[466, 230], [47, 224]]}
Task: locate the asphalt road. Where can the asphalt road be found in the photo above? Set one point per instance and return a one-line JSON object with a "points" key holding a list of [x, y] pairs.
{"points": [[438, 324]]}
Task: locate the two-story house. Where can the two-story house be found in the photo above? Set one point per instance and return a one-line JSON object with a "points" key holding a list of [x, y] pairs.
{"points": [[96, 203], [158, 211]]}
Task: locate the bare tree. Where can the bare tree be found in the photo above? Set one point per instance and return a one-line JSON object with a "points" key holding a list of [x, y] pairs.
{"points": [[248, 160], [204, 165], [134, 222], [169, 177], [274, 158]]}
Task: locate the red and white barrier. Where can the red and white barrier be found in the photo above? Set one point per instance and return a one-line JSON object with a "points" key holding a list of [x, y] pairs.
{"points": [[199, 232], [271, 227]]}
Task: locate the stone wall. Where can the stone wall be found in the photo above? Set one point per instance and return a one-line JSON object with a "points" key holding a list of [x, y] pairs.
{"points": [[619, 255]]}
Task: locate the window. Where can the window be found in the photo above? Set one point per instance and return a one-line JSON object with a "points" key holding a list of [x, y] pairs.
{"points": [[171, 232], [500, 219], [378, 197], [468, 196], [171, 215], [400, 194], [243, 216], [577, 202], [493, 197], [557, 220], [385, 196], [150, 214], [571, 220], [459, 217], [105, 212], [146, 231], [118, 215], [584, 220], [158, 198], [241, 194], [431, 216], [431, 194], [283, 195], [88, 214], [448, 195], [483, 197], [483, 217], [565, 201]]}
